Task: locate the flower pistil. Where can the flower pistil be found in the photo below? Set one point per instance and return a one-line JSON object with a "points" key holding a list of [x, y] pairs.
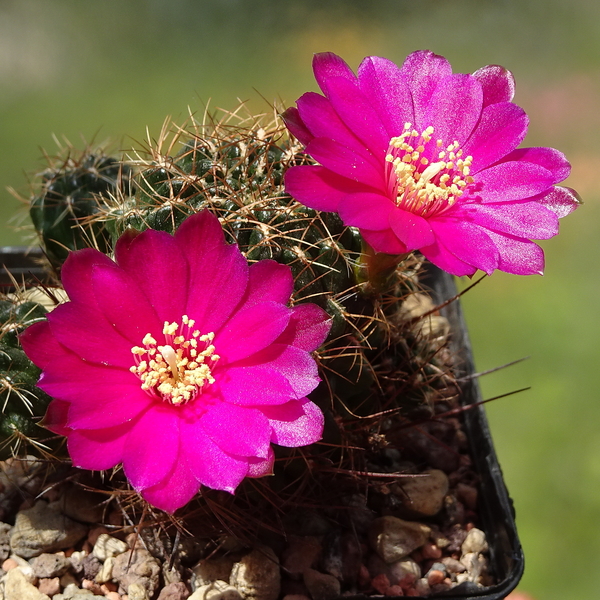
{"points": [[178, 371], [422, 185]]}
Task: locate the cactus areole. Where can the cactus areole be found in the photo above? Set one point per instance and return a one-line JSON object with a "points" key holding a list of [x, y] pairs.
{"points": [[179, 360]]}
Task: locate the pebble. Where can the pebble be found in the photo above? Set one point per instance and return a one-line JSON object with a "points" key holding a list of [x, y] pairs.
{"points": [[136, 591], [452, 565], [105, 572], [216, 590], [47, 566], [400, 569], [257, 575], [142, 569], [174, 591], [9, 564], [467, 494], [213, 569], [5, 530], [380, 583], [40, 529], [80, 505], [431, 551], [423, 496], [17, 587], [393, 538], [107, 546], [302, 553], [435, 577], [394, 590], [321, 586], [50, 587], [474, 542]]}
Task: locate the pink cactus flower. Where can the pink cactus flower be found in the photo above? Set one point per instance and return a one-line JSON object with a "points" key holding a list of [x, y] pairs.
{"points": [[419, 158], [179, 360]]}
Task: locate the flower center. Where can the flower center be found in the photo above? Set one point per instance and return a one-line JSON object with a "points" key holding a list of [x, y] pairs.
{"points": [[426, 177], [180, 370]]}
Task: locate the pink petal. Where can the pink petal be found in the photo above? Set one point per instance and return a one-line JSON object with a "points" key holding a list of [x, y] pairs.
{"points": [[76, 274], [297, 423], [97, 450], [174, 491], [218, 271], [518, 256], [87, 333], [152, 446], [509, 181], [308, 327], [237, 430], [40, 345], [318, 187], [454, 108], [294, 123], [346, 163], [357, 113], [123, 304], [384, 241], [501, 129], [298, 367], [155, 261], [439, 255], [468, 242], [560, 200], [549, 158], [251, 329], [382, 82], [529, 220], [212, 466], [258, 467], [322, 120], [327, 65], [254, 385], [498, 84], [269, 281], [422, 71], [55, 418], [366, 210], [414, 231]]}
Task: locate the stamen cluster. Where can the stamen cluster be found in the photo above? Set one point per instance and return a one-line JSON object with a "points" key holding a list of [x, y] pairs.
{"points": [[179, 370], [422, 186]]}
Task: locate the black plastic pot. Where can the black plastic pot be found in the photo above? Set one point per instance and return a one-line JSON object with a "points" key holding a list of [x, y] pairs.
{"points": [[495, 506]]}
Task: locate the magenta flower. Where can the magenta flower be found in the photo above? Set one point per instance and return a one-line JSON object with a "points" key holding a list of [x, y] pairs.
{"points": [[419, 158], [180, 361]]}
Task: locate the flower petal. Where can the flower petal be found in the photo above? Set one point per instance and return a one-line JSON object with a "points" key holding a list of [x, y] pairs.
{"points": [[152, 446], [440, 256], [254, 385], [454, 108], [157, 264], [308, 327], [97, 450], [507, 181], [212, 466], [468, 242], [382, 82], [422, 71], [251, 329], [501, 129], [76, 272], [327, 65], [175, 490], [237, 430], [529, 220], [258, 467], [297, 423], [345, 162], [366, 210], [55, 418], [269, 281], [518, 256], [384, 241], [318, 187], [549, 158], [40, 345], [497, 83], [560, 200], [294, 123], [414, 231]]}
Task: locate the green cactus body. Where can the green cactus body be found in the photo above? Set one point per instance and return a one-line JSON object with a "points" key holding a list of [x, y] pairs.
{"points": [[22, 403]]}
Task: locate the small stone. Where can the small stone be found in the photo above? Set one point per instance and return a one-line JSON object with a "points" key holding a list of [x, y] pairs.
{"points": [[137, 591], [467, 494], [90, 566], [9, 564], [142, 568], [80, 504], [400, 569], [25, 568], [5, 531], [112, 596], [50, 587], [16, 587], [474, 542], [50, 565], [434, 577], [106, 571], [321, 586], [257, 575], [422, 587], [423, 495], [394, 590], [393, 538], [209, 570], [95, 588], [95, 533], [302, 553], [68, 580], [217, 590], [380, 583], [452, 565], [431, 551], [107, 546], [174, 591], [40, 529], [475, 564]]}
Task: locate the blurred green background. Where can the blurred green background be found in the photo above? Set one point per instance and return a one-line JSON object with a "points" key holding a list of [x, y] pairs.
{"points": [[106, 70]]}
